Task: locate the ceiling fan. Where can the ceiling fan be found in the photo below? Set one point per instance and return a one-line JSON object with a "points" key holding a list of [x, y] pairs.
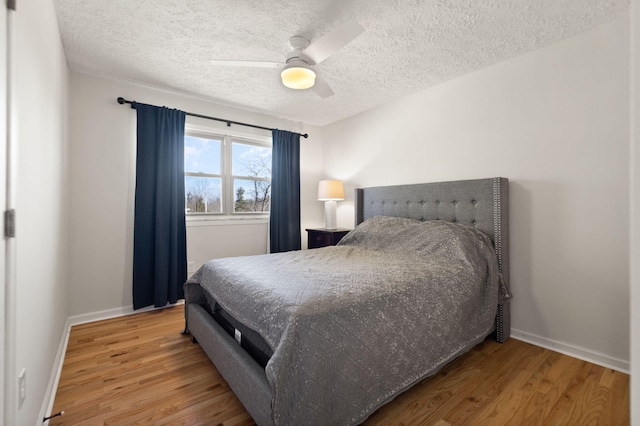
{"points": [[298, 68]]}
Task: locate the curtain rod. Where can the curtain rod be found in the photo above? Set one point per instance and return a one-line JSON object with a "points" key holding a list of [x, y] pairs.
{"points": [[123, 101]]}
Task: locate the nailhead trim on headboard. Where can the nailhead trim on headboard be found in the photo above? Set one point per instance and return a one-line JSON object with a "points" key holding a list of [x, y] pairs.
{"points": [[497, 221], [497, 225], [500, 323]]}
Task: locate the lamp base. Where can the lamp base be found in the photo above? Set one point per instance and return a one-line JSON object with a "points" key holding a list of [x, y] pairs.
{"points": [[330, 214]]}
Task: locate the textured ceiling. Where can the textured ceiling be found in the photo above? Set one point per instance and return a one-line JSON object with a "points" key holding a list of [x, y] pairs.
{"points": [[408, 45]]}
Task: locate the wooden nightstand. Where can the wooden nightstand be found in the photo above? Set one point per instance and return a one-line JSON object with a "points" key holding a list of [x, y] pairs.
{"points": [[324, 237]]}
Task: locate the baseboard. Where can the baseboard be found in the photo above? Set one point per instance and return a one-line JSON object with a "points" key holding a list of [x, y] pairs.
{"points": [[574, 351], [52, 387], [113, 313]]}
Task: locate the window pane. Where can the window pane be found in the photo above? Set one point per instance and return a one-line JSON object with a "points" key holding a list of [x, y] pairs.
{"points": [[251, 195], [202, 155], [203, 194], [251, 160]]}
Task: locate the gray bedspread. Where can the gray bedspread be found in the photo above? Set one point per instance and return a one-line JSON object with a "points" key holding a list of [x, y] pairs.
{"points": [[351, 326]]}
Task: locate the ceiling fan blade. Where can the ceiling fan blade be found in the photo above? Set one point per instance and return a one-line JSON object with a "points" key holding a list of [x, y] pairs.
{"points": [[254, 64], [333, 41], [321, 87]]}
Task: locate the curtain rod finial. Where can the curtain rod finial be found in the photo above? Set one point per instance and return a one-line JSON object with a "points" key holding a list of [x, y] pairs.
{"points": [[121, 100]]}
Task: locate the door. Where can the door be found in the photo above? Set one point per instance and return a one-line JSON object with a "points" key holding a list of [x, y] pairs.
{"points": [[8, 381], [3, 200]]}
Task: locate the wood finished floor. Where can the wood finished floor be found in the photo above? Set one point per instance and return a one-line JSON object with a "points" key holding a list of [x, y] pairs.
{"points": [[138, 369]]}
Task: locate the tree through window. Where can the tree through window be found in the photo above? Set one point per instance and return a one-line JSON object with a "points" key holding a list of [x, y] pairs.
{"points": [[225, 175], [251, 177]]}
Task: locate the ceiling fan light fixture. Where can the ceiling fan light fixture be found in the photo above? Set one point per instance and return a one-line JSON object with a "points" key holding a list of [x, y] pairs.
{"points": [[296, 77]]}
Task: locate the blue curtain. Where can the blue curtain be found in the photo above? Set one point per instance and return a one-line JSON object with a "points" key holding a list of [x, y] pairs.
{"points": [[159, 235], [284, 226]]}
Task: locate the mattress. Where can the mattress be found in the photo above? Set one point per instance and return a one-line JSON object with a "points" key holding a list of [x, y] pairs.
{"points": [[248, 339]]}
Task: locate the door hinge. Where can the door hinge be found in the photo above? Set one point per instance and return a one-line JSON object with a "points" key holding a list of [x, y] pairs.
{"points": [[10, 223], [11, 4]]}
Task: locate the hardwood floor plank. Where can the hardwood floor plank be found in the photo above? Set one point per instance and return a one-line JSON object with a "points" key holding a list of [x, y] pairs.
{"points": [[497, 373], [541, 391], [508, 406], [140, 370], [442, 388]]}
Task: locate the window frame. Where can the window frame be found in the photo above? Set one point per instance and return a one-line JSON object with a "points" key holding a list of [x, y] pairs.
{"points": [[208, 136], [226, 169], [232, 177]]}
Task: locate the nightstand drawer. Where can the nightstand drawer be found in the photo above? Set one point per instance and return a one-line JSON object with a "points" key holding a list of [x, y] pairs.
{"points": [[319, 239], [324, 237]]}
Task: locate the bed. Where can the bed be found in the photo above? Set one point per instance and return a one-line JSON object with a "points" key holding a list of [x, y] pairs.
{"points": [[329, 335]]}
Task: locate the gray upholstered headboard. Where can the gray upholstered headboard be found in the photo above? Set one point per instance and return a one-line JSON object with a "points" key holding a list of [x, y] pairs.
{"points": [[483, 203]]}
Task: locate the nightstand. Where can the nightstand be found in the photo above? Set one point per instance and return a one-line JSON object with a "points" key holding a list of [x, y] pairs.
{"points": [[324, 237]]}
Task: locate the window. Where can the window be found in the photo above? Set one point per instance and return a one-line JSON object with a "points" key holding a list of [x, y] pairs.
{"points": [[226, 175], [251, 177], [203, 174]]}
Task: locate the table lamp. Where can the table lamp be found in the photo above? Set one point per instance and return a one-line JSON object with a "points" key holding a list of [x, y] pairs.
{"points": [[330, 191]]}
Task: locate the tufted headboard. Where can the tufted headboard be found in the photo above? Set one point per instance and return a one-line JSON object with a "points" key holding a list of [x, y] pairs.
{"points": [[483, 203]]}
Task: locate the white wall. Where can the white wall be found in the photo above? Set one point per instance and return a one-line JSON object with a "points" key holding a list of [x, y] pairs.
{"points": [[102, 175], [208, 240], [41, 85], [556, 123], [311, 172]]}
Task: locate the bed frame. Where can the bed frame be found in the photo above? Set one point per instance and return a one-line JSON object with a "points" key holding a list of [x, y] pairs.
{"points": [[483, 203]]}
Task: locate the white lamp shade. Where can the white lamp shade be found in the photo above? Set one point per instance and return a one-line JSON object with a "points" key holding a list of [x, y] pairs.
{"points": [[298, 77], [330, 190]]}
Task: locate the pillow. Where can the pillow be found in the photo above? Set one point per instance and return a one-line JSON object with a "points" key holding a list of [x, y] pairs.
{"points": [[403, 234], [375, 233], [420, 240]]}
